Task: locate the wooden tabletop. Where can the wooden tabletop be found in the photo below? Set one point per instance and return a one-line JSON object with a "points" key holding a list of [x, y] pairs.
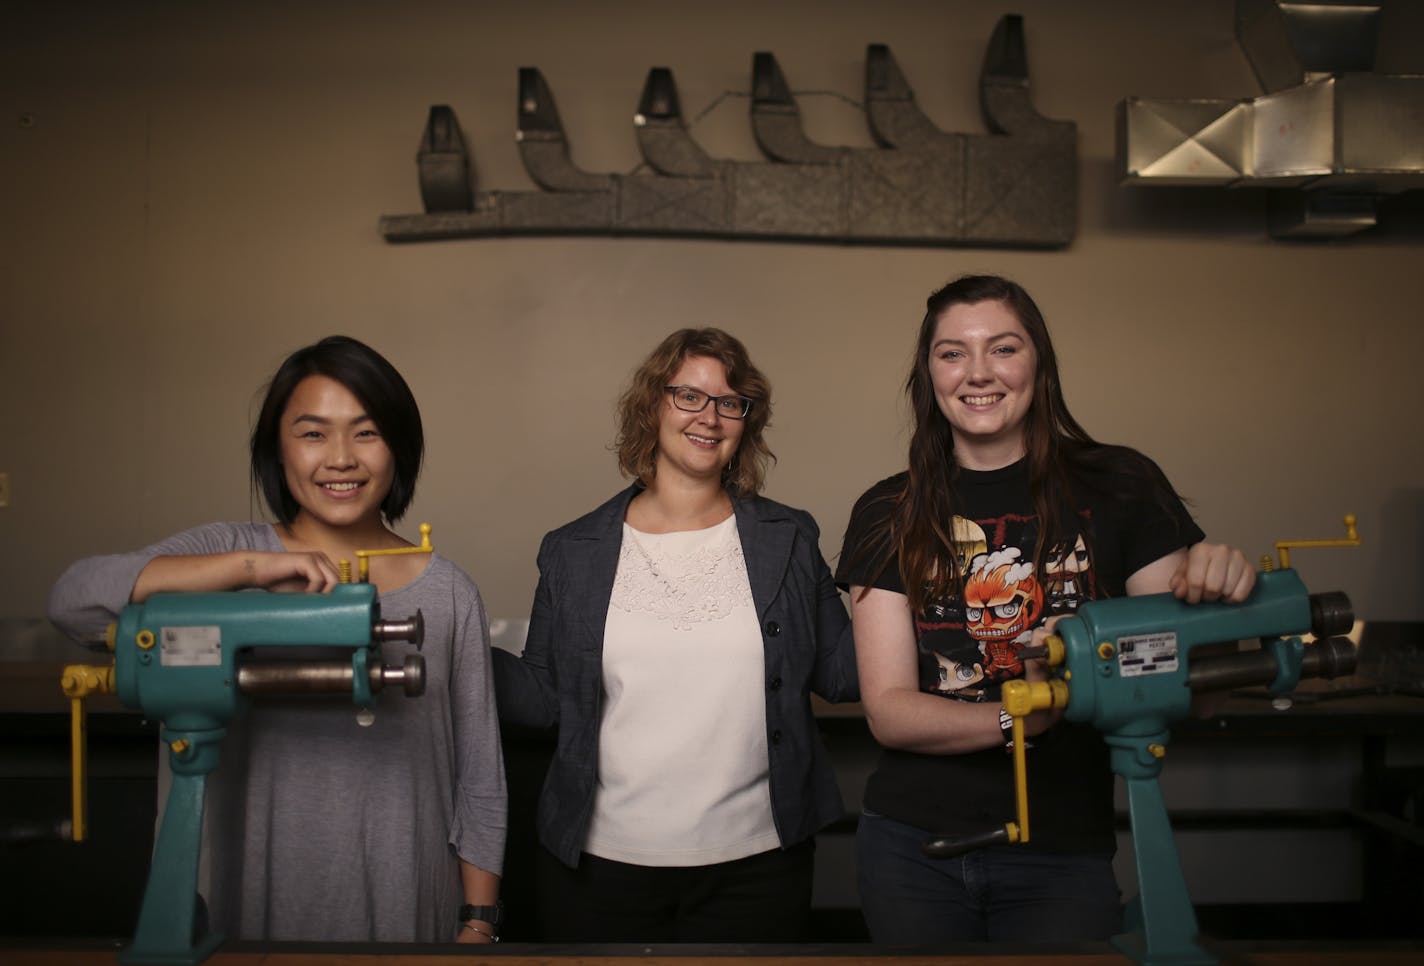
{"points": [[516, 954]]}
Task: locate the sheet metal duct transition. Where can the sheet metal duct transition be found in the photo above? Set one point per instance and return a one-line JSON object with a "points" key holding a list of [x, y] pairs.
{"points": [[1334, 135]]}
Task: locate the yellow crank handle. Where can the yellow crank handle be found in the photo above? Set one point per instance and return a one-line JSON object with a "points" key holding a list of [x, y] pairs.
{"points": [[78, 681], [1020, 778], [363, 557], [1022, 698], [78, 755]]}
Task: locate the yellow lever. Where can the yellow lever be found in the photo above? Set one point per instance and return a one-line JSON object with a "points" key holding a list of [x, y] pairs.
{"points": [[1352, 539], [78, 681], [1022, 698], [363, 557]]}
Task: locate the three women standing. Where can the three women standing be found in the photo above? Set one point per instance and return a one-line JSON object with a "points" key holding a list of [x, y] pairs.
{"points": [[676, 636]]}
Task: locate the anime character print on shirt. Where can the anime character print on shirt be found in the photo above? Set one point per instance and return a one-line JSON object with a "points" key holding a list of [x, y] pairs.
{"points": [[969, 645], [1003, 603], [1063, 575]]}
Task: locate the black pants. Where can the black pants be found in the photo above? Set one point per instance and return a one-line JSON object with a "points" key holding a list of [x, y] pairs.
{"points": [[763, 898]]}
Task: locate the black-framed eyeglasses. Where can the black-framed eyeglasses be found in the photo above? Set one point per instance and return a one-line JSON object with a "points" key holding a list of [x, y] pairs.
{"points": [[691, 400]]}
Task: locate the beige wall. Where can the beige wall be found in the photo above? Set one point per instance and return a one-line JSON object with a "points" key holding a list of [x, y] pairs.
{"points": [[190, 191]]}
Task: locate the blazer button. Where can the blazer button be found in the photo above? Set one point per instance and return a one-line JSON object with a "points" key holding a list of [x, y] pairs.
{"points": [[772, 628], [776, 683], [776, 737]]}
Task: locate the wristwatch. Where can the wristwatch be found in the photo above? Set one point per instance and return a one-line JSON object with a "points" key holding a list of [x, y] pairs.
{"points": [[494, 915]]}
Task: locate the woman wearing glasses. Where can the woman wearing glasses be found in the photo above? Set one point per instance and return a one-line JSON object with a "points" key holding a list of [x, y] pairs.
{"points": [[676, 634]]}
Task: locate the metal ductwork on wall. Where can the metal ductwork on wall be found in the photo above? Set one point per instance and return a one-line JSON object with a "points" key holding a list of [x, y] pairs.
{"points": [[1331, 136], [1015, 186]]}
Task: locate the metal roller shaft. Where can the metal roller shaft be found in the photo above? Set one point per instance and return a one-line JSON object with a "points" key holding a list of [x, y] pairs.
{"points": [[324, 676], [1323, 659]]}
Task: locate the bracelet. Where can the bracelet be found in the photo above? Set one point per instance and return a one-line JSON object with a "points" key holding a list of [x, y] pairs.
{"points": [[1006, 725], [492, 937]]}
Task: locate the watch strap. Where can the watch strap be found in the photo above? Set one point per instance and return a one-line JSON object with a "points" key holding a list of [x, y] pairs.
{"points": [[494, 915]]}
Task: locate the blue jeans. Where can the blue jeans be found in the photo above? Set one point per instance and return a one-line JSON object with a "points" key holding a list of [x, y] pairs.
{"points": [[997, 893]]}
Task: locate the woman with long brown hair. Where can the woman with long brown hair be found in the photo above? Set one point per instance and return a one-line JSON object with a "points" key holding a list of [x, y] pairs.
{"points": [[1008, 516]]}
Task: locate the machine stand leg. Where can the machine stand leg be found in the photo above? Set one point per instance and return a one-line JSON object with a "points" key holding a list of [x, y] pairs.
{"points": [[172, 923], [1161, 922]]}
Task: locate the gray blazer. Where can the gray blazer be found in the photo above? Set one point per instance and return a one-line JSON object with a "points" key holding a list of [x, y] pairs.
{"points": [[558, 681]]}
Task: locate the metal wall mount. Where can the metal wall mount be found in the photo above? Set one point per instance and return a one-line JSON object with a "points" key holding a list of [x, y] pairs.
{"points": [[1015, 186], [1331, 136]]}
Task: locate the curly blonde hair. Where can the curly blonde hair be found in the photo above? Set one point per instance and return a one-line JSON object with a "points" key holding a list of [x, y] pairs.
{"points": [[641, 405]]}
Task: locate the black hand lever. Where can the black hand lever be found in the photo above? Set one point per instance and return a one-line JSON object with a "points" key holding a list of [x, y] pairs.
{"points": [[949, 846]]}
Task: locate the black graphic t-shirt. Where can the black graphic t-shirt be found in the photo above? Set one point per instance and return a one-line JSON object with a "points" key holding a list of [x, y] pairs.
{"points": [[968, 647]]}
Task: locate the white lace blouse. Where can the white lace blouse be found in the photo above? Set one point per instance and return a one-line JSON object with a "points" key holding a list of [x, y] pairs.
{"points": [[682, 762]]}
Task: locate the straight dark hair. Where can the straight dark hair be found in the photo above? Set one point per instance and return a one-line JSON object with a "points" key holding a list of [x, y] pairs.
{"points": [[379, 388]]}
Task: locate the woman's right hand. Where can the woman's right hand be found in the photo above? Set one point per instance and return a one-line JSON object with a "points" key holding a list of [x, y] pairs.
{"points": [[901, 715], [299, 571], [1036, 669], [292, 571]]}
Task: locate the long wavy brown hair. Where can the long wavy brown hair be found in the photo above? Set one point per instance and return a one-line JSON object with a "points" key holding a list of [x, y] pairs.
{"points": [[640, 408], [920, 525]]}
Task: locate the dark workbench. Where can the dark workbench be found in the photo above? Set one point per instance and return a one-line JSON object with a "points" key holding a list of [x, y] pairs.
{"points": [[517, 954], [52, 888]]}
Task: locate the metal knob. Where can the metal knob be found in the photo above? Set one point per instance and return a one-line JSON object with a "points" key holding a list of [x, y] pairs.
{"points": [[1330, 614], [410, 676], [411, 629]]}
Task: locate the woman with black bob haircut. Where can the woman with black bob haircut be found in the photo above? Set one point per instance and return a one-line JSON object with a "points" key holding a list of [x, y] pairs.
{"points": [[383, 393], [322, 824], [1008, 517], [676, 636]]}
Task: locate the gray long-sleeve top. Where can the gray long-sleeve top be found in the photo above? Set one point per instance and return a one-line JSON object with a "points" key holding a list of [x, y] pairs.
{"points": [[320, 829]]}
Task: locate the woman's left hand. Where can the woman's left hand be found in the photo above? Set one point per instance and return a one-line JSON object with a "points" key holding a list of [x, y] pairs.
{"points": [[1213, 571]]}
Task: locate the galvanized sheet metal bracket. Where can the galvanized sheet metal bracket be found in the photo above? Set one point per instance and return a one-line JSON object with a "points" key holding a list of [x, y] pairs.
{"points": [[1015, 187], [1331, 137]]}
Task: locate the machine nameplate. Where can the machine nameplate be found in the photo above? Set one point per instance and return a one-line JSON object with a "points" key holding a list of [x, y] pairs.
{"points": [[190, 646], [1142, 654]]}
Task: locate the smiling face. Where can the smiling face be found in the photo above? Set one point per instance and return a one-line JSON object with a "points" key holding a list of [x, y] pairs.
{"points": [[982, 366], [697, 445], [336, 465]]}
